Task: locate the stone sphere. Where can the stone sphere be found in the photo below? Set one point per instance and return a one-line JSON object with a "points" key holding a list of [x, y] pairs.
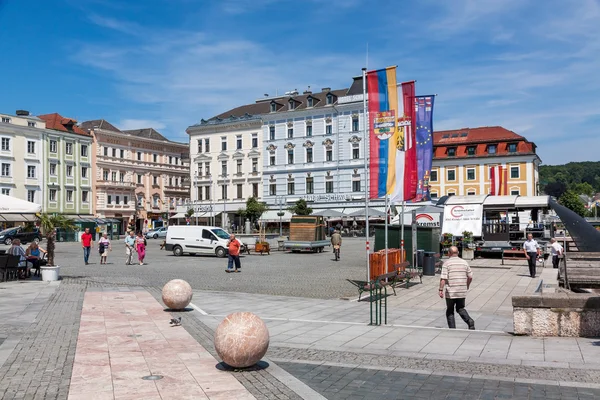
{"points": [[241, 339], [177, 294]]}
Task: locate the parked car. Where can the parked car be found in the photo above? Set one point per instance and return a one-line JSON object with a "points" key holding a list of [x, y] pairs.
{"points": [[198, 240], [157, 233], [7, 235]]}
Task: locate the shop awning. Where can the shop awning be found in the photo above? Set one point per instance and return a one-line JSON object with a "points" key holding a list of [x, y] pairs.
{"points": [[18, 217], [532, 201], [374, 212], [271, 216], [178, 215], [330, 213], [500, 201]]}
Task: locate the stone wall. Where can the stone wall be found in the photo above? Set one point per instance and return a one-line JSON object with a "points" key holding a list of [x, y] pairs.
{"points": [[557, 314]]}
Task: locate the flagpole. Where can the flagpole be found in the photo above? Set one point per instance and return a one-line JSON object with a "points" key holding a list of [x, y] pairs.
{"points": [[366, 141], [402, 235], [386, 233]]}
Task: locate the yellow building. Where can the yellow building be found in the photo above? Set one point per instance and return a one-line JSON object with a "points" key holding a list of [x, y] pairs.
{"points": [[462, 160]]}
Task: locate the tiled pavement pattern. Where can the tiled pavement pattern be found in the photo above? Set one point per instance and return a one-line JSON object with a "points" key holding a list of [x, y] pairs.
{"points": [[342, 326], [41, 348], [341, 383], [125, 335], [259, 382]]}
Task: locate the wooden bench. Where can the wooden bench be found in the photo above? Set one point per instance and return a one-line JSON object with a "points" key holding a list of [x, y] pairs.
{"points": [[513, 255]]}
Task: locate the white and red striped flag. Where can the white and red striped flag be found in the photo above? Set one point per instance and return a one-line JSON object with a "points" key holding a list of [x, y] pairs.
{"points": [[498, 181]]}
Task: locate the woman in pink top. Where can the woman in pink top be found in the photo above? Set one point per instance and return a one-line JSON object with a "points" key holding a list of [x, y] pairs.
{"points": [[140, 246]]}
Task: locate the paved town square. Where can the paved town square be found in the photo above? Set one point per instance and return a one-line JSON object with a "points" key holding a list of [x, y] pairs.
{"points": [[99, 330]]}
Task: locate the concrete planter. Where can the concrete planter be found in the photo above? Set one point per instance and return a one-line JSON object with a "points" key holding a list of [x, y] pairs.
{"points": [[50, 273], [468, 254]]}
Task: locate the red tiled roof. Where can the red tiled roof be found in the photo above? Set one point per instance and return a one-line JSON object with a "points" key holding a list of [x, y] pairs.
{"points": [[475, 135], [59, 123], [480, 138]]}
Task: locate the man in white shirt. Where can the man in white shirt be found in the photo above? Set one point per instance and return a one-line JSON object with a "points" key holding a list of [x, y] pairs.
{"points": [[556, 250], [531, 248]]}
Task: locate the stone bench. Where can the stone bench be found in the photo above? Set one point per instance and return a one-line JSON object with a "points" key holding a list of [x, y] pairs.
{"points": [[557, 314]]}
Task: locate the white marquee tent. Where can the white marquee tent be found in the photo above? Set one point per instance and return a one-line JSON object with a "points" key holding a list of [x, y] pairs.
{"points": [[13, 209]]}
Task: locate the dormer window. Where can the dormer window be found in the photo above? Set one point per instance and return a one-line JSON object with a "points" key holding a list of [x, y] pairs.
{"points": [[273, 107], [512, 147], [329, 99], [451, 151], [291, 104], [471, 150], [492, 149], [309, 102]]}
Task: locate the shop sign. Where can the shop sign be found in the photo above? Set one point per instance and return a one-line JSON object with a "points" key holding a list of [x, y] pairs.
{"points": [[327, 197]]}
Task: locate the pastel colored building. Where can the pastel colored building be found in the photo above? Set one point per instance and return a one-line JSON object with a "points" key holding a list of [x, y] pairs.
{"points": [[140, 176], [463, 158], [22, 156], [67, 175]]}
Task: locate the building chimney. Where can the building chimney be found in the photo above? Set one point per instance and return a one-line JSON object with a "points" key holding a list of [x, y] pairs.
{"points": [[22, 113], [326, 89]]}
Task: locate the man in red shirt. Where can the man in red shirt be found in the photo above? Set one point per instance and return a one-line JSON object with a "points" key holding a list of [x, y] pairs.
{"points": [[234, 255], [86, 243]]}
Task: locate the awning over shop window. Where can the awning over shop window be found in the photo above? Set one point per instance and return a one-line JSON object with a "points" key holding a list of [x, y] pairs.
{"points": [[271, 216]]}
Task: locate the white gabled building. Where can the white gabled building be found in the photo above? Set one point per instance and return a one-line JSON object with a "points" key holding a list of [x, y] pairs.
{"points": [[226, 165], [314, 149]]}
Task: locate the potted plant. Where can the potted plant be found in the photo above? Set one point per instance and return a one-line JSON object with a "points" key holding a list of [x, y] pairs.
{"points": [[468, 252], [447, 241], [49, 223]]}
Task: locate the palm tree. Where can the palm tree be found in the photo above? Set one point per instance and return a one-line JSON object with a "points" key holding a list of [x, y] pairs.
{"points": [[49, 223]]}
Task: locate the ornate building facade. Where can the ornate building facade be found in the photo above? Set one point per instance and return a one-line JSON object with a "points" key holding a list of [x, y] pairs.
{"points": [[226, 164], [463, 158], [140, 176]]}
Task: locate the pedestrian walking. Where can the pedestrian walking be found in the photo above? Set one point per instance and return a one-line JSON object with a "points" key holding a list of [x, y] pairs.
{"points": [[129, 247], [234, 255], [104, 247], [455, 279], [86, 244], [336, 242], [531, 248], [140, 247], [556, 250]]}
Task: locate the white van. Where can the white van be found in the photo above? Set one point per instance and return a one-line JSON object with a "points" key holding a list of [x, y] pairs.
{"points": [[193, 239]]}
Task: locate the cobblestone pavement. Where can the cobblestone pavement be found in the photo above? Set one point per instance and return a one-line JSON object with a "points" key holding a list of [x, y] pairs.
{"points": [[43, 333], [303, 274], [40, 365], [337, 383]]}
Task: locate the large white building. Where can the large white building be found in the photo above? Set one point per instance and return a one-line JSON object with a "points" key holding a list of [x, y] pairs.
{"points": [[226, 165], [315, 148], [21, 156]]}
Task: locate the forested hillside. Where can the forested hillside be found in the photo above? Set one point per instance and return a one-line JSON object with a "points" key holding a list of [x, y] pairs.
{"points": [[580, 177]]}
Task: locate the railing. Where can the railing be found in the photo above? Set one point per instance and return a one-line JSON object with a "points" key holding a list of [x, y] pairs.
{"points": [[115, 183]]}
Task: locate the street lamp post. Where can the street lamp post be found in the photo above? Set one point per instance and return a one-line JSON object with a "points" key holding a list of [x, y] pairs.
{"points": [[280, 200]]}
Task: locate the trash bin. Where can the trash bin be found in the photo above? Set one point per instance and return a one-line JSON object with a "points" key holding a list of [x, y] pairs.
{"points": [[420, 258], [429, 263]]}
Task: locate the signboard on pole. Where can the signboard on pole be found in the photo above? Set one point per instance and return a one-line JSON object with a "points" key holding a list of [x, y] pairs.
{"points": [[463, 217]]}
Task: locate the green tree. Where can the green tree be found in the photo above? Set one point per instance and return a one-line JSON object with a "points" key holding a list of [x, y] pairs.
{"points": [[254, 209], [584, 188], [49, 223], [571, 200], [301, 208], [189, 212]]}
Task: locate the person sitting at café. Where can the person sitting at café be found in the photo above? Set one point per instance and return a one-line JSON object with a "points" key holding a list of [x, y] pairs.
{"points": [[17, 250], [35, 255]]}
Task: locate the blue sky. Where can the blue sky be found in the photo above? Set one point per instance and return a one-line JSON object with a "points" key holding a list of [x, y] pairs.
{"points": [[527, 65]]}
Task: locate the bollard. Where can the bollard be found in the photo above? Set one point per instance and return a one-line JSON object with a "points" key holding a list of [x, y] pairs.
{"points": [[380, 302]]}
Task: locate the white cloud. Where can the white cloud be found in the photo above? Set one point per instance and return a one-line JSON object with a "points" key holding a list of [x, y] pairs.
{"points": [[128, 124], [493, 66]]}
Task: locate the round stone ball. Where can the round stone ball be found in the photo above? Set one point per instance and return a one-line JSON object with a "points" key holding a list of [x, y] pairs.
{"points": [[177, 294], [241, 339]]}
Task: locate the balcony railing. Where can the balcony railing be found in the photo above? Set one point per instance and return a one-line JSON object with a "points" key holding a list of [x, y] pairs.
{"points": [[116, 183]]}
